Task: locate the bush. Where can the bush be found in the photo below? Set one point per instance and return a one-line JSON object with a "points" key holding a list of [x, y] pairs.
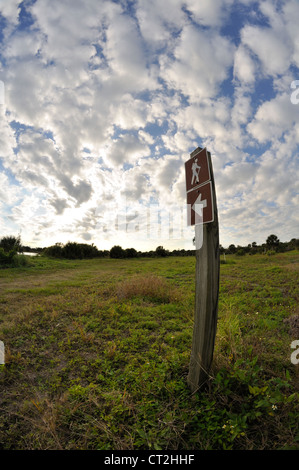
{"points": [[12, 259], [54, 251], [20, 261], [117, 252], [160, 251], [131, 253], [6, 257], [72, 250]]}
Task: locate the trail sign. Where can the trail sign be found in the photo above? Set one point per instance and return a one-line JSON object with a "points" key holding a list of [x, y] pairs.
{"points": [[200, 203], [199, 188], [197, 169], [201, 198]]}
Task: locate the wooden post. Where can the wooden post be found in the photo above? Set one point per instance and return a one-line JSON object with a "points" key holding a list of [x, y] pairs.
{"points": [[206, 299]]}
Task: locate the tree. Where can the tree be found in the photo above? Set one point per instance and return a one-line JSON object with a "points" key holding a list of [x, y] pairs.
{"points": [[160, 251], [117, 252], [131, 253], [72, 250], [55, 251], [294, 244], [272, 242], [10, 243], [232, 249]]}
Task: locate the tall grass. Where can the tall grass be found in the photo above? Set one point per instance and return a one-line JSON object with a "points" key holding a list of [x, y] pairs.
{"points": [[151, 287]]}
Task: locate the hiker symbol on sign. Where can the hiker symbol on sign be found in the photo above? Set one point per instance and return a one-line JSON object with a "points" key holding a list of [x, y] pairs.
{"points": [[195, 173]]}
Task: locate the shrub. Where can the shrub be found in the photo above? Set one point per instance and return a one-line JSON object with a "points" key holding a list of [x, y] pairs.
{"points": [[54, 251], [131, 253], [160, 251], [72, 250], [19, 261], [6, 257], [117, 252], [12, 259]]}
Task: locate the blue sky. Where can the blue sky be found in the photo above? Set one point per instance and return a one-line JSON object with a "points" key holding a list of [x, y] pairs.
{"points": [[104, 102]]}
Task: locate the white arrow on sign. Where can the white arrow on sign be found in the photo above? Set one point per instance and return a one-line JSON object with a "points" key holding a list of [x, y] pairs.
{"points": [[199, 205]]}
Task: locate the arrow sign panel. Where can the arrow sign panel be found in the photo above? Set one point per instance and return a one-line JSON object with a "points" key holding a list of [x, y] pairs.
{"points": [[200, 205]]}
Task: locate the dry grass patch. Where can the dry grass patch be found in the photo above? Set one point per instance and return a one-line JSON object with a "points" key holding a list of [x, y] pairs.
{"points": [[149, 287]]}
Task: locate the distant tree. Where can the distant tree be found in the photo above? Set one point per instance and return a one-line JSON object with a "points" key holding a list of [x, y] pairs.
{"points": [[10, 243], [72, 250], [160, 251], [272, 242], [117, 252], [54, 251], [131, 253], [232, 249], [294, 244]]}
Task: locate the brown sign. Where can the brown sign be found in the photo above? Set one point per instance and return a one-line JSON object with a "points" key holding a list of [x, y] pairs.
{"points": [[200, 205], [197, 170]]}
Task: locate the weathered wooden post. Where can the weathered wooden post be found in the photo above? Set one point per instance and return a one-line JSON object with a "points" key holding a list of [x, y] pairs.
{"points": [[202, 204]]}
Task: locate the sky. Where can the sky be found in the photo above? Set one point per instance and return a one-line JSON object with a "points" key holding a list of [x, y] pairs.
{"points": [[102, 102]]}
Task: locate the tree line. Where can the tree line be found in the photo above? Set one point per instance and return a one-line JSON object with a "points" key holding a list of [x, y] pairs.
{"points": [[271, 246], [11, 246]]}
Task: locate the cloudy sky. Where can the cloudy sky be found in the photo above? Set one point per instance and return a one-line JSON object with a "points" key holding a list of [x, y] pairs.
{"points": [[102, 102]]}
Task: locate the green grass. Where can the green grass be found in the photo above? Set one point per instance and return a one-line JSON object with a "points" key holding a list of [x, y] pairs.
{"points": [[97, 355]]}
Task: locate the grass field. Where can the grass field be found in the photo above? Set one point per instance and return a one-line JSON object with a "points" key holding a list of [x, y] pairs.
{"points": [[97, 355]]}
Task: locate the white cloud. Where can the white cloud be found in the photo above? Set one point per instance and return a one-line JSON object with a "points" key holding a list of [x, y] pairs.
{"points": [[242, 109], [273, 118], [136, 118], [9, 193], [272, 48], [105, 102], [291, 14], [275, 45], [158, 19], [201, 62], [209, 13], [127, 148], [167, 171], [244, 66], [10, 10]]}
